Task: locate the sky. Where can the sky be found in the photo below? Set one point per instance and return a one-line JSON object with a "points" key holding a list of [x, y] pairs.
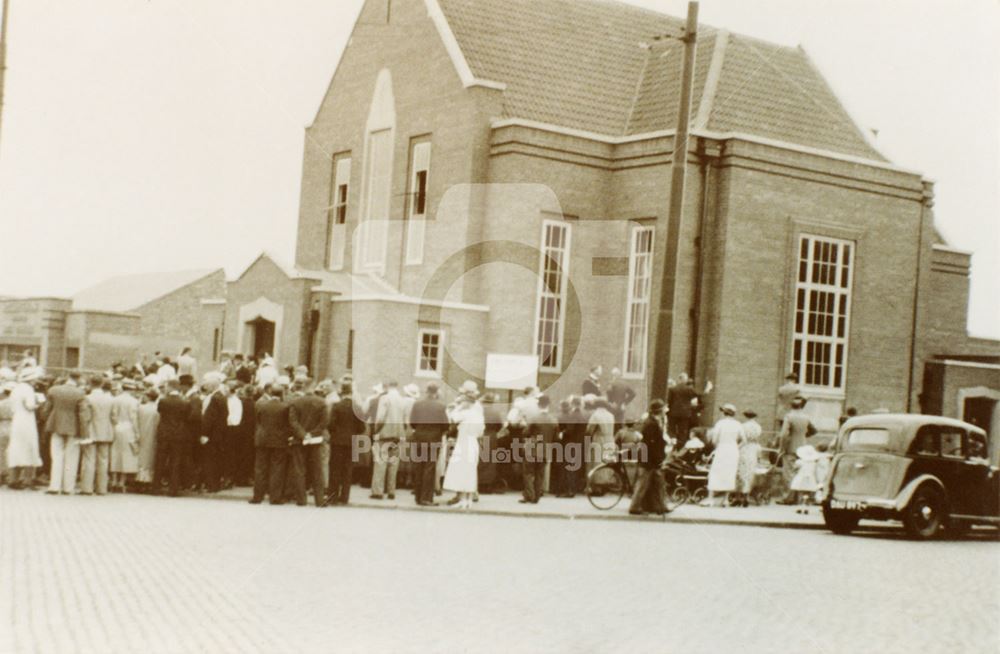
{"points": [[154, 135]]}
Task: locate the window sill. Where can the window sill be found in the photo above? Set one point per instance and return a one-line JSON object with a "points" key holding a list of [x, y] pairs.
{"points": [[425, 374], [820, 392]]}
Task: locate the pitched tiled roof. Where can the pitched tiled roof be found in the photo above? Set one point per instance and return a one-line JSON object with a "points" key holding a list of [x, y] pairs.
{"points": [[130, 292], [593, 65]]}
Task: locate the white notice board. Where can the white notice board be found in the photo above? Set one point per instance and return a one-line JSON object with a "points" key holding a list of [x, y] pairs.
{"points": [[511, 371]]}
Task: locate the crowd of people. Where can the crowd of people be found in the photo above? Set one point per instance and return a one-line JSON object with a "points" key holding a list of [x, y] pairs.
{"points": [[156, 427]]}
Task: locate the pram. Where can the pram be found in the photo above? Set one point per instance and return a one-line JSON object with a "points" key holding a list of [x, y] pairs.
{"points": [[768, 482], [686, 475]]}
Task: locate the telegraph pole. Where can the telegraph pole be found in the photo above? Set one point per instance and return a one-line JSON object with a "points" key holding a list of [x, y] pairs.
{"points": [[3, 55], [665, 323]]}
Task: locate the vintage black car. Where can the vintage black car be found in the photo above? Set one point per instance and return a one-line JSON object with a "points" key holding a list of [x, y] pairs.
{"points": [[934, 474]]}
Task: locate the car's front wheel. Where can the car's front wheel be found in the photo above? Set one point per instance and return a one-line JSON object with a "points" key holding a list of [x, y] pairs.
{"points": [[926, 515], [840, 521]]}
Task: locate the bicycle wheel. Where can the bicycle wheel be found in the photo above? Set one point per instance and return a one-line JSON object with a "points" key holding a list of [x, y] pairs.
{"points": [[605, 486]]}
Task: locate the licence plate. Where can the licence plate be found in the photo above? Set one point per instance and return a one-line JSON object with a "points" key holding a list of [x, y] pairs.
{"points": [[848, 505]]}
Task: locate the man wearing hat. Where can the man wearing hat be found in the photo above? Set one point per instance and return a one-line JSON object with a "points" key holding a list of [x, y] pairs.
{"points": [[389, 429], [796, 428], [214, 428], [543, 430], [345, 424], [682, 403], [65, 425], [786, 394], [173, 438], [309, 418], [274, 432], [96, 452], [429, 422]]}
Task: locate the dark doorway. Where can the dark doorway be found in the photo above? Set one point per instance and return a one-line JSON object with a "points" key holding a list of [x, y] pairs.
{"points": [[979, 411], [262, 331]]}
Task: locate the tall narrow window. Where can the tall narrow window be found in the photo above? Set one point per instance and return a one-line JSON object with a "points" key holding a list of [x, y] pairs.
{"points": [[430, 346], [551, 310], [374, 230], [336, 219], [822, 311], [420, 166], [640, 276], [216, 338]]}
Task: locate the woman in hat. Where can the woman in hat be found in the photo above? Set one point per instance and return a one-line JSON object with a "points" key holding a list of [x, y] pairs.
{"points": [[125, 446], [461, 477], [22, 452], [6, 415], [149, 419], [726, 458], [750, 433]]}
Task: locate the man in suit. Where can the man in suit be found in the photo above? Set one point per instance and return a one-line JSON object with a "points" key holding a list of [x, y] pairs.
{"points": [[592, 384], [274, 433], [786, 395], [214, 431], [346, 422], [682, 401], [173, 437], [193, 395], [619, 396], [95, 454], [389, 429], [648, 495], [796, 428], [65, 424], [429, 421], [543, 430], [310, 418]]}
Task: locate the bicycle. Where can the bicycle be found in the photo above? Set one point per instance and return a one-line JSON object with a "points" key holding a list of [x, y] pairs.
{"points": [[605, 495]]}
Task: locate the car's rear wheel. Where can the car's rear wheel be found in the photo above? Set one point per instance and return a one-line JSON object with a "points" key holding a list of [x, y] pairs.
{"points": [[840, 521], [926, 515]]}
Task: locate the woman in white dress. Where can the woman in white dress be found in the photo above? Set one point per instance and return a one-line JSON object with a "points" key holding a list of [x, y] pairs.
{"points": [[23, 455], [461, 475], [6, 415], [726, 434], [749, 455], [125, 446]]}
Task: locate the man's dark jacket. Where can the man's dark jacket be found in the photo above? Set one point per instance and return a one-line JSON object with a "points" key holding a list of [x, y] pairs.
{"points": [[273, 426], [175, 419], [214, 420], [345, 422], [429, 420], [308, 416]]}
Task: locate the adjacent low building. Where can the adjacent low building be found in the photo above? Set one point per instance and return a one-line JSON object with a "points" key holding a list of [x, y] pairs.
{"points": [[119, 319]]}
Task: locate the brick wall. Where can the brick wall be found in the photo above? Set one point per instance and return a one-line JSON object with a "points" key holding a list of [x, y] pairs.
{"points": [[264, 279], [173, 321], [429, 101]]}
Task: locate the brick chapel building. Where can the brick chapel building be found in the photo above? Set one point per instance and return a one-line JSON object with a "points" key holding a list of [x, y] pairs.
{"points": [[492, 176]]}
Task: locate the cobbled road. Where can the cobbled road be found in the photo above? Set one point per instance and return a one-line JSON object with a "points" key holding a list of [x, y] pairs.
{"points": [[145, 574]]}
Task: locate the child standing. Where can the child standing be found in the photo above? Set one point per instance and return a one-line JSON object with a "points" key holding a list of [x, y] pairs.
{"points": [[804, 483]]}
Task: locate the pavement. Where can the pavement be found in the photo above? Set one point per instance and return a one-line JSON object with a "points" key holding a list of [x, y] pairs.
{"points": [[130, 573], [580, 508]]}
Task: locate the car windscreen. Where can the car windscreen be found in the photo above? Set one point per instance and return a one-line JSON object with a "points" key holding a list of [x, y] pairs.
{"points": [[867, 437]]}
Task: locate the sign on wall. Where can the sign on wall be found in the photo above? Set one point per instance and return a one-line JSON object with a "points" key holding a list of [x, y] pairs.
{"points": [[511, 371]]}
